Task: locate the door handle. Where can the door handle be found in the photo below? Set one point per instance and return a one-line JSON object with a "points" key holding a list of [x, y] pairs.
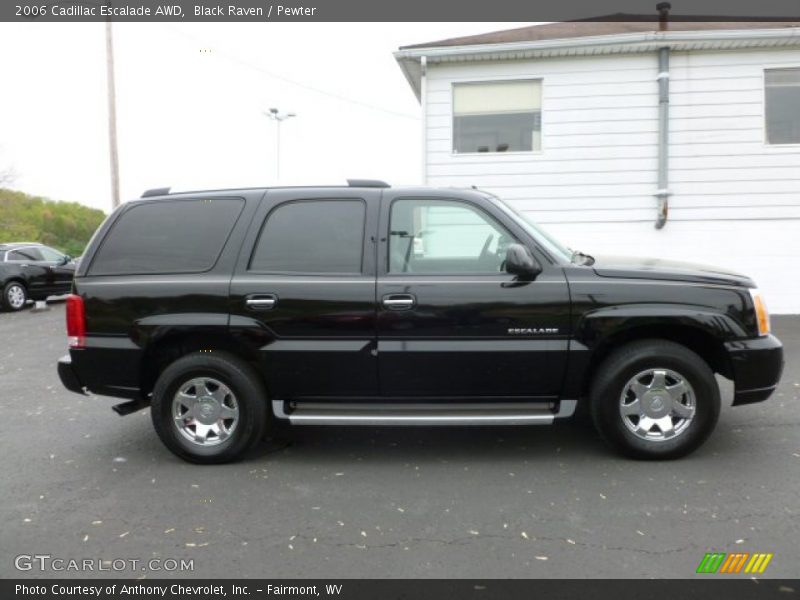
{"points": [[264, 302], [399, 301]]}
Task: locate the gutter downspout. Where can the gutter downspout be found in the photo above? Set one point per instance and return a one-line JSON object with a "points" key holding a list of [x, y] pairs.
{"points": [[423, 94], [662, 193]]}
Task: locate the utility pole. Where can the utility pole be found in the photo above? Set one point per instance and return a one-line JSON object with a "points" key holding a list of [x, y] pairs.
{"points": [[112, 115], [112, 104], [275, 115]]}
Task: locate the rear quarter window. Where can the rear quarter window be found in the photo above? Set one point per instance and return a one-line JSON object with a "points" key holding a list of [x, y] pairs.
{"points": [[175, 236]]}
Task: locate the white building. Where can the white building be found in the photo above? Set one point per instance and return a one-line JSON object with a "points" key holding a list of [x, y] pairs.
{"points": [[564, 121]]}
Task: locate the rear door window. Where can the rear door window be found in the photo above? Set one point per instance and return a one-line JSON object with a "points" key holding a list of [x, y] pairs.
{"points": [[176, 236], [26, 255], [312, 236]]}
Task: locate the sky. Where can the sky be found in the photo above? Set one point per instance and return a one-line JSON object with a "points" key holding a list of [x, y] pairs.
{"points": [[190, 102]]}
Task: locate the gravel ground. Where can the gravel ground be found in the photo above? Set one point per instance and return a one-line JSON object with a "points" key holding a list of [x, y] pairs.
{"points": [[80, 482]]}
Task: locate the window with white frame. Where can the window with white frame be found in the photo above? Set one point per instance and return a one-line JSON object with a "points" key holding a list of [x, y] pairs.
{"points": [[497, 116], [782, 105]]}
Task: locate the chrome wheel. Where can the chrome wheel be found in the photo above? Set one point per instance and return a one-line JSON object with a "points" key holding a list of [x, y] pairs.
{"points": [[15, 295], [205, 411], [657, 404]]}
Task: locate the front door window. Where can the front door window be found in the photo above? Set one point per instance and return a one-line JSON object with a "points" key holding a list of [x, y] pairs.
{"points": [[444, 237]]}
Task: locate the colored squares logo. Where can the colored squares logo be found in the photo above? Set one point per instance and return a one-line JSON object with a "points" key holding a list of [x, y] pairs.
{"points": [[737, 562]]}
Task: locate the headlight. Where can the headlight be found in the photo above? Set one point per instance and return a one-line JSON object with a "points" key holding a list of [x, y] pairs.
{"points": [[762, 314]]}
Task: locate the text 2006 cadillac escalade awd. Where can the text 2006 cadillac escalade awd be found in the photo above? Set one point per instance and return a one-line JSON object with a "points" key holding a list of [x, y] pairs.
{"points": [[370, 305]]}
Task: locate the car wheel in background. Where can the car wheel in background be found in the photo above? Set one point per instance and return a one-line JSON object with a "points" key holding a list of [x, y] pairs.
{"points": [[15, 296]]}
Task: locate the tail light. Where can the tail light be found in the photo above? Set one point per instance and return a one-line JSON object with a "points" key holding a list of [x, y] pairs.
{"points": [[76, 322]]}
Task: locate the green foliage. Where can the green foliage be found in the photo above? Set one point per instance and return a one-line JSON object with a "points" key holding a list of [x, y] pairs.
{"points": [[66, 226]]}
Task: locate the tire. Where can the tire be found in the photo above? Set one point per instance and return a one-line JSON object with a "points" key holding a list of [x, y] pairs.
{"points": [[15, 296], [226, 421], [641, 381]]}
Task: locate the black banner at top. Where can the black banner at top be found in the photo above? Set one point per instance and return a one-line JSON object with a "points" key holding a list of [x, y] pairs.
{"points": [[391, 10]]}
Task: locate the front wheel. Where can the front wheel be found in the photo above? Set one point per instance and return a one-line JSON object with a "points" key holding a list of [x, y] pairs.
{"points": [[14, 296], [209, 407], [655, 399]]}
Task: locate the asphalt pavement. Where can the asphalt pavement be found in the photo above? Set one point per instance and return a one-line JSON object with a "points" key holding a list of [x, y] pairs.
{"points": [[79, 482]]}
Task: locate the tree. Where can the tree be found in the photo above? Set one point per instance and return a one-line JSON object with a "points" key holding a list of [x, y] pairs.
{"points": [[7, 173], [66, 226]]}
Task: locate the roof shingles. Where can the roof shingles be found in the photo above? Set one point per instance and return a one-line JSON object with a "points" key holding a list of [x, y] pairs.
{"points": [[610, 25]]}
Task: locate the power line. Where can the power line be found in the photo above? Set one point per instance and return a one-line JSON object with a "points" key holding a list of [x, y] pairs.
{"points": [[250, 65]]}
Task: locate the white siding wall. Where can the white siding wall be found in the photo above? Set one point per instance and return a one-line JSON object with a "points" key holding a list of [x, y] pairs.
{"points": [[735, 202]]}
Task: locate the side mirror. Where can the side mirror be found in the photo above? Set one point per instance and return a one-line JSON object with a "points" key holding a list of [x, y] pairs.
{"points": [[520, 262], [64, 260]]}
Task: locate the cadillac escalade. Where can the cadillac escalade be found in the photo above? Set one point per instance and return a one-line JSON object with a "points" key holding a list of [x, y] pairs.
{"points": [[228, 311]]}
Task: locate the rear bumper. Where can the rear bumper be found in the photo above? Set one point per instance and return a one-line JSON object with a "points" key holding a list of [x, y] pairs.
{"points": [[757, 368], [68, 376], [105, 367]]}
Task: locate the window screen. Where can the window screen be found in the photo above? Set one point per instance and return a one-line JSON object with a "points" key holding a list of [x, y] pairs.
{"points": [[782, 96], [497, 116], [312, 236], [179, 236]]}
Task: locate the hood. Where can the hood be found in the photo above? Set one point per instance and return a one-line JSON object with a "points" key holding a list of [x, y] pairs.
{"points": [[656, 268]]}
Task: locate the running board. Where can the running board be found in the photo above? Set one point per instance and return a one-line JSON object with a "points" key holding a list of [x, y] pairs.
{"points": [[506, 413]]}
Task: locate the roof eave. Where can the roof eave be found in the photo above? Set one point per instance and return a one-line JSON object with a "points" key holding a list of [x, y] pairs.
{"points": [[412, 70], [622, 43]]}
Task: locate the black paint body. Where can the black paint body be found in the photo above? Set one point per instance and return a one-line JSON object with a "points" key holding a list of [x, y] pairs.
{"points": [[481, 337]]}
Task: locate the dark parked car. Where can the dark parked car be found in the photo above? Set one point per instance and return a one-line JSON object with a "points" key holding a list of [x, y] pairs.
{"points": [[368, 305], [33, 271]]}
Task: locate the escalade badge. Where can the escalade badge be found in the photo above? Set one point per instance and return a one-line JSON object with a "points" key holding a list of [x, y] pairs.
{"points": [[532, 330]]}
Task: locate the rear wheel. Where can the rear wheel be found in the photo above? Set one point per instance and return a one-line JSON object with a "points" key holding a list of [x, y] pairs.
{"points": [[15, 295], [209, 407], [655, 399]]}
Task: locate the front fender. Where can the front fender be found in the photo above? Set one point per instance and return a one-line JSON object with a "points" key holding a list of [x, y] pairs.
{"points": [[597, 325], [596, 331]]}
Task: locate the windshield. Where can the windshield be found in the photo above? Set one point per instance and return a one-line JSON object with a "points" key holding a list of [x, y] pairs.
{"points": [[550, 243]]}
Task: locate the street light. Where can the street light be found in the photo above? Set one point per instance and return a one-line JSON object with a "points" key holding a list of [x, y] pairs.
{"points": [[279, 117]]}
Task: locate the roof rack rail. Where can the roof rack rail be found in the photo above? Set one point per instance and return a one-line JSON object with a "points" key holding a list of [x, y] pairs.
{"points": [[156, 192], [368, 183]]}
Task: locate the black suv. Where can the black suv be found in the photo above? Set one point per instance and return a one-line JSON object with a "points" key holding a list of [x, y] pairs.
{"points": [[370, 305]]}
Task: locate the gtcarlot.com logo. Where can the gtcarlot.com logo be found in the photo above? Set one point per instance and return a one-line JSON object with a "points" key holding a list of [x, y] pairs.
{"points": [[737, 562], [48, 562]]}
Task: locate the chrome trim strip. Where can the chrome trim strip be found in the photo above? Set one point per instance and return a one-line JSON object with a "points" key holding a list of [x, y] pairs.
{"points": [[260, 302], [398, 302]]}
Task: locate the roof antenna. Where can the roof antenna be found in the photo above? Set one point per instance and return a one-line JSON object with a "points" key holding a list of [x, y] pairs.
{"points": [[663, 15]]}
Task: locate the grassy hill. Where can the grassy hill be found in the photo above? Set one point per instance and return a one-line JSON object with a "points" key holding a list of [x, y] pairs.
{"points": [[66, 226]]}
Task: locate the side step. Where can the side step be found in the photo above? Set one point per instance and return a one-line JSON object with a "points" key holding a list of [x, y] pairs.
{"points": [[505, 413], [129, 407]]}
